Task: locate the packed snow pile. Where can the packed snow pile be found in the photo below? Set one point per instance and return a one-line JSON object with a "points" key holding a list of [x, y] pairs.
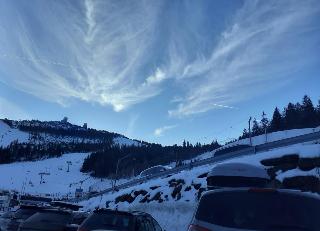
{"points": [[176, 196]]}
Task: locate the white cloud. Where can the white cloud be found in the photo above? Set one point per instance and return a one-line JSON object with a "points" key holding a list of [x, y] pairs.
{"points": [[157, 77], [257, 52], [101, 54], [159, 131], [120, 53]]}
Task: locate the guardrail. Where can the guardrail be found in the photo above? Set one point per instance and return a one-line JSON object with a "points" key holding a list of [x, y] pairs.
{"points": [[247, 151]]}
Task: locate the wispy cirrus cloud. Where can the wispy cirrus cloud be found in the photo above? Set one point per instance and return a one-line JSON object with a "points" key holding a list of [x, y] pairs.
{"points": [[124, 53], [160, 131], [259, 50], [97, 54]]}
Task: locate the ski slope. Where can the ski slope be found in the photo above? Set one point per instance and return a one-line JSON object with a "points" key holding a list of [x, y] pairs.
{"points": [[24, 176], [8, 135]]}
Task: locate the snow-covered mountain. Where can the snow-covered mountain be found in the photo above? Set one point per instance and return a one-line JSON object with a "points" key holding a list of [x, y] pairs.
{"points": [[43, 132]]}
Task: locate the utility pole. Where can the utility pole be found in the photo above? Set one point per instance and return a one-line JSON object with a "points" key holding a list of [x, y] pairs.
{"points": [[265, 125], [265, 133], [250, 130]]}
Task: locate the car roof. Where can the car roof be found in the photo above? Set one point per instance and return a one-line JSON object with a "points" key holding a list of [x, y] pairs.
{"points": [[286, 191], [239, 170], [130, 213]]}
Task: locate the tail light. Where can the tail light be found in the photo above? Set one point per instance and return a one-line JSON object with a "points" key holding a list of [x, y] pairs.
{"points": [[197, 228]]}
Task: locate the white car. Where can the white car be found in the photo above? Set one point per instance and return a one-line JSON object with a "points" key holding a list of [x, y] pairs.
{"points": [[237, 175], [154, 170]]}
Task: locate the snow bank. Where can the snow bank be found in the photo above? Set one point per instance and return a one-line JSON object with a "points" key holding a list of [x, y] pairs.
{"points": [[274, 136]]}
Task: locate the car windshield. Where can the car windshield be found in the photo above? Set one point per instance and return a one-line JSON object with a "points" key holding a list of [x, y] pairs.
{"points": [[106, 220], [260, 211]]}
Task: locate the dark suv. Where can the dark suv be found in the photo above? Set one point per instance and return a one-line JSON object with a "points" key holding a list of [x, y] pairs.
{"points": [[19, 216], [257, 209], [53, 219], [106, 219]]}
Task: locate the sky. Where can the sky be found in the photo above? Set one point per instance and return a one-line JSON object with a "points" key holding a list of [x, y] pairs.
{"points": [[159, 71]]}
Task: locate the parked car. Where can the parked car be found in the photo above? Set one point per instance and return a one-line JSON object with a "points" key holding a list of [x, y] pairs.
{"points": [[233, 148], [237, 175], [105, 219], [153, 170], [5, 219], [256, 209], [20, 215], [49, 220]]}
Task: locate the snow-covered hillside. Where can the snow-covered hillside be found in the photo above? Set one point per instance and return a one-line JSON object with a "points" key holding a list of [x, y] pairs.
{"points": [[24, 176], [8, 135], [46, 132], [176, 196]]}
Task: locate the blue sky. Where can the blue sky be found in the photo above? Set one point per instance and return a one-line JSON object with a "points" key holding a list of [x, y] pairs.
{"points": [[161, 71]]}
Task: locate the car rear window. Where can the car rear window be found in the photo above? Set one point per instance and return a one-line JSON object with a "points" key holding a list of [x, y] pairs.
{"points": [[236, 181], [24, 213], [260, 210], [52, 217], [108, 220]]}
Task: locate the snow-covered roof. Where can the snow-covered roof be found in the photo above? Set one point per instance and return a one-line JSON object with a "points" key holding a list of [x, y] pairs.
{"points": [[154, 169], [239, 169]]}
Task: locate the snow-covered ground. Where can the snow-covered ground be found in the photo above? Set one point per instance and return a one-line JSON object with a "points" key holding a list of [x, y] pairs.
{"points": [[8, 135], [24, 176], [175, 215], [172, 213], [274, 136], [123, 141]]}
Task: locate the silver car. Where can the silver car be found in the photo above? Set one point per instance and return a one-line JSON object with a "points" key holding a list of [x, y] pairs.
{"points": [[257, 209]]}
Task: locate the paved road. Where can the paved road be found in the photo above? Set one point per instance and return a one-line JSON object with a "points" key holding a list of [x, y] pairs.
{"points": [[247, 151]]}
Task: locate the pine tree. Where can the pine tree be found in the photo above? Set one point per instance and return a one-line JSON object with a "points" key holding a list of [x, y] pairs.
{"points": [[291, 117], [277, 121], [309, 116], [245, 134], [256, 130]]}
